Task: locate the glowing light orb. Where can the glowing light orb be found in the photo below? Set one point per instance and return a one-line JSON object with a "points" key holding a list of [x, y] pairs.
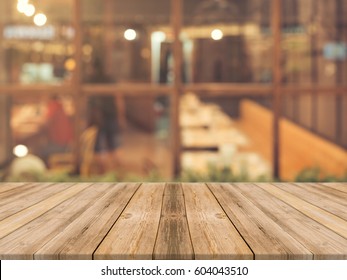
{"points": [[29, 10], [130, 34], [40, 19], [217, 34], [20, 151]]}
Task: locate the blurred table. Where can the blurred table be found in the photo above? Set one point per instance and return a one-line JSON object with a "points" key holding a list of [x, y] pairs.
{"points": [[173, 221]]}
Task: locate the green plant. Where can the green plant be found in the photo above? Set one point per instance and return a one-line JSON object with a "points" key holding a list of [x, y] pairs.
{"points": [[315, 174], [215, 173]]}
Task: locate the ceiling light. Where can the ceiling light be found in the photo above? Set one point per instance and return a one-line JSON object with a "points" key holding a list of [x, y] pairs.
{"points": [[29, 10], [217, 34], [130, 34], [21, 6], [40, 19]]}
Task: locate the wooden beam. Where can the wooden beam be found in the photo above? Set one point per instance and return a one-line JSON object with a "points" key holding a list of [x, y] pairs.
{"points": [[126, 89], [77, 77], [277, 82], [229, 89], [17, 89], [297, 89], [176, 22]]}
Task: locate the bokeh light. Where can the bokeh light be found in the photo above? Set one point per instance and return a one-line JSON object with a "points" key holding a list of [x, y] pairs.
{"points": [[29, 10], [40, 19], [20, 151], [130, 34], [217, 34], [21, 5]]}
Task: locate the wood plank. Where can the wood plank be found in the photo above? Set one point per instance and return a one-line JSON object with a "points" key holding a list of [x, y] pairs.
{"points": [[213, 235], [321, 241], [133, 235], [329, 220], [29, 238], [173, 240], [342, 187], [20, 201], [4, 187], [21, 191], [335, 193], [23, 217], [320, 196], [81, 238], [265, 237], [271, 220]]}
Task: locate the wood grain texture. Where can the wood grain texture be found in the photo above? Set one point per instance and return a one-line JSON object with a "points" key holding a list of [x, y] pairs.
{"points": [[4, 187], [29, 197], [329, 220], [173, 221], [321, 241], [30, 237], [81, 238], [23, 217], [173, 240], [266, 238], [213, 235], [13, 193], [330, 200], [337, 186], [133, 235]]}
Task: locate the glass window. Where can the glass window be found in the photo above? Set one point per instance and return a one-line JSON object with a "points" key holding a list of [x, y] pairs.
{"points": [[43, 127], [313, 126], [227, 41], [36, 42], [133, 136], [314, 42], [226, 138], [131, 39]]}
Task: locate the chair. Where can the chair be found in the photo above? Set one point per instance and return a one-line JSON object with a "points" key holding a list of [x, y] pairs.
{"points": [[66, 161], [87, 144]]}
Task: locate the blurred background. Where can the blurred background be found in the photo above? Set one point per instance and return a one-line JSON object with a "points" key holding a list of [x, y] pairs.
{"points": [[189, 90]]}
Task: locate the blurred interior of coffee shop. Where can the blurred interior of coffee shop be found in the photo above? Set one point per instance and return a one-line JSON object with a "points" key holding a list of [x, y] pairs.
{"points": [[186, 90]]}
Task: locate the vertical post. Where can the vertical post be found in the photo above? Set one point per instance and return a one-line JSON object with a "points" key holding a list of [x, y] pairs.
{"points": [[339, 73], [5, 102], [77, 77], [107, 38], [277, 80], [314, 65], [5, 131], [77, 14], [176, 23]]}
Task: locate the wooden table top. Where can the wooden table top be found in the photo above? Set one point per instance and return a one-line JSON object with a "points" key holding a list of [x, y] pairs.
{"points": [[173, 221]]}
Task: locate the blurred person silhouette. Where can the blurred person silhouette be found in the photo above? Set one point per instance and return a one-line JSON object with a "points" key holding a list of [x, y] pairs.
{"points": [[58, 129], [102, 114]]}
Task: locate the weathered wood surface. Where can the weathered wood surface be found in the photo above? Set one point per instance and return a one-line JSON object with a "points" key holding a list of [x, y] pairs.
{"points": [[173, 221], [133, 235], [173, 241], [213, 235]]}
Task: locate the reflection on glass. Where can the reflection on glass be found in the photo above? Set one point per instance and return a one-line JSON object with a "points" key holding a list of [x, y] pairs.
{"points": [[314, 42], [43, 128], [131, 137], [131, 37], [227, 41], [314, 53], [36, 41], [226, 138]]}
